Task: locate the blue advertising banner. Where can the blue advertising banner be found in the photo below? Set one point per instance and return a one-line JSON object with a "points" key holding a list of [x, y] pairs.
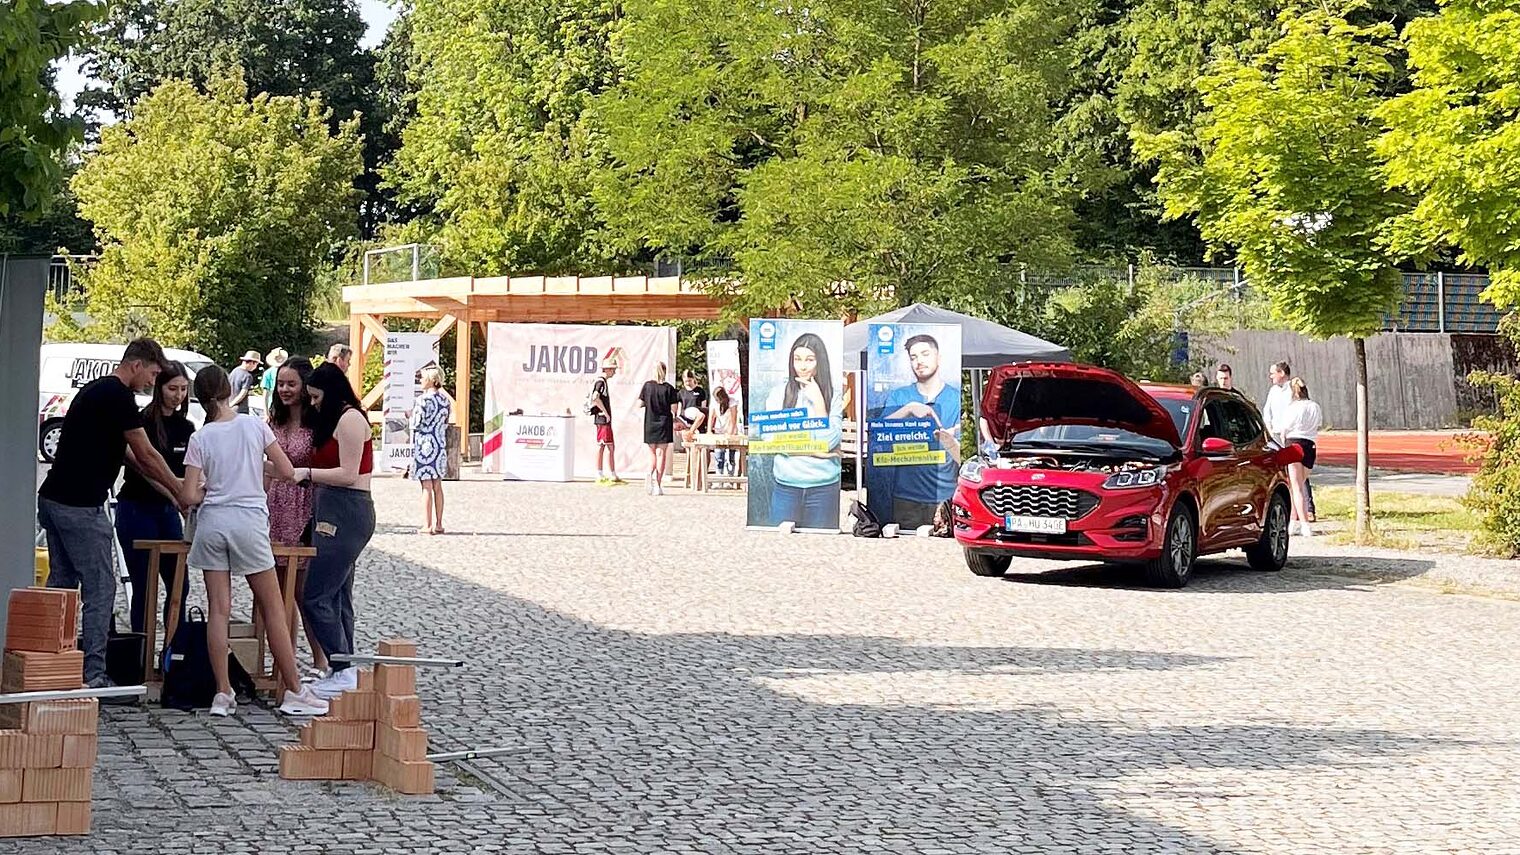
{"points": [[913, 420], [796, 413]]}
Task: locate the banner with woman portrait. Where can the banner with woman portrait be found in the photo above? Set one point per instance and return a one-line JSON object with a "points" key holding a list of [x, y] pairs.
{"points": [[796, 414], [913, 420]]}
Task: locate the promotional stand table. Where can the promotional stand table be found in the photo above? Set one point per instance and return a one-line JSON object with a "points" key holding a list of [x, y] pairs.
{"points": [[538, 448]]}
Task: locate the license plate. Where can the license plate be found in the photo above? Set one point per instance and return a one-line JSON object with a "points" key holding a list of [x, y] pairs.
{"points": [[1035, 525]]}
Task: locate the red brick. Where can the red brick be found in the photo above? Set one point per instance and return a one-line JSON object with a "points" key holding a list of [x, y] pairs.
{"points": [[357, 765], [300, 763], [398, 647], [10, 785], [42, 619], [56, 785], [401, 711], [366, 679], [329, 733], [52, 717], [28, 820], [30, 671], [79, 751], [395, 680], [408, 743], [411, 777], [73, 818], [355, 706], [30, 751]]}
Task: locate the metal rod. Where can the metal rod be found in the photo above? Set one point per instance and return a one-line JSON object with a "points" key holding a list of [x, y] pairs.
{"points": [[448, 756], [74, 694], [357, 659]]}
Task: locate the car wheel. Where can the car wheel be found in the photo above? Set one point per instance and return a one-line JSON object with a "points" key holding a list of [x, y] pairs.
{"points": [[47, 439], [983, 564], [1174, 565], [1270, 553]]}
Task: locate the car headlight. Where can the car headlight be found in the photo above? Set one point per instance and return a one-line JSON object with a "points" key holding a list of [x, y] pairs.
{"points": [[972, 470], [1150, 477]]}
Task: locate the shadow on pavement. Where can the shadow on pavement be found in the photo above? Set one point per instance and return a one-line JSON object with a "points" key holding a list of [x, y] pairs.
{"points": [[1228, 575]]}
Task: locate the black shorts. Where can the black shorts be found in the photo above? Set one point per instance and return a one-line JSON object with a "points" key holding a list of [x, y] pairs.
{"points": [[1308, 446]]}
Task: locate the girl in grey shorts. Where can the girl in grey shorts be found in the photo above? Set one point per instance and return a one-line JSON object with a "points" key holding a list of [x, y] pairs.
{"points": [[225, 466]]}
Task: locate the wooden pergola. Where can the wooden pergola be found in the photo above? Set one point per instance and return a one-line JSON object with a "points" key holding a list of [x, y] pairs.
{"points": [[462, 302]]}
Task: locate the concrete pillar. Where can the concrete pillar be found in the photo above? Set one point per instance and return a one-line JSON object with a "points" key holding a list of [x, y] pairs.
{"points": [[22, 284]]}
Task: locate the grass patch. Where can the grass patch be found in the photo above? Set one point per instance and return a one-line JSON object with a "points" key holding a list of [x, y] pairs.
{"points": [[1401, 520]]}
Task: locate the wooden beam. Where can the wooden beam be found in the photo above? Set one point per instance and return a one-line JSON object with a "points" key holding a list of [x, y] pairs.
{"points": [[356, 344], [374, 327], [462, 384], [442, 326]]}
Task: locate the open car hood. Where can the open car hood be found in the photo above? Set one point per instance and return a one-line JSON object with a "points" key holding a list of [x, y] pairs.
{"points": [[1028, 395]]}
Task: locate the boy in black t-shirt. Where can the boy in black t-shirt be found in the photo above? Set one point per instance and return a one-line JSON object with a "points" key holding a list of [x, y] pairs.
{"points": [[102, 421], [601, 418]]}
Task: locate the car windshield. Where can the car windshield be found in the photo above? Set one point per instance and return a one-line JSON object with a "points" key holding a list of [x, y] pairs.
{"points": [[1087, 437], [1179, 409]]}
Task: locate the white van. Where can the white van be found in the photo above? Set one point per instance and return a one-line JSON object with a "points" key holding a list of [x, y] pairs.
{"points": [[68, 366]]}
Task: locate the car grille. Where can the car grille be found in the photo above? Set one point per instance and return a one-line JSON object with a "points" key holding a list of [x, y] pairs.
{"points": [[1026, 501]]}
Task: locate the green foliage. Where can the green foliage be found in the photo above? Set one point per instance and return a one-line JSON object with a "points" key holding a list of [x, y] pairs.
{"points": [[215, 213], [1495, 492], [1283, 170], [844, 155], [500, 150], [33, 133], [1453, 140]]}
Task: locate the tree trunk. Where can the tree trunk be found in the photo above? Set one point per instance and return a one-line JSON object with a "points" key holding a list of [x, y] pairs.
{"points": [[1363, 489]]}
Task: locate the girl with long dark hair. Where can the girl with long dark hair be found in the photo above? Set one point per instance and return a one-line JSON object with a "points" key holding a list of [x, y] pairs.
{"points": [[342, 459], [146, 509], [225, 467], [290, 504], [806, 484]]}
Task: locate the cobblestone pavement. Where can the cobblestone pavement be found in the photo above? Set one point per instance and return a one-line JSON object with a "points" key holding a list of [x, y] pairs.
{"points": [[678, 684]]}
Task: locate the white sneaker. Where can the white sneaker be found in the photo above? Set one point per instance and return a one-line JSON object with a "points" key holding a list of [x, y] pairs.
{"points": [[312, 675], [303, 703], [336, 683], [223, 704], [659, 490], [1303, 529]]}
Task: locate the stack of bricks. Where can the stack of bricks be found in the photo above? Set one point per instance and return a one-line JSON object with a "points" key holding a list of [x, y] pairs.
{"points": [[47, 748], [372, 733]]}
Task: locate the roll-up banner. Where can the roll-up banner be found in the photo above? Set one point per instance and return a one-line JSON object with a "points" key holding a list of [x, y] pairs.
{"points": [[549, 369], [913, 420], [796, 413], [406, 354], [723, 372]]}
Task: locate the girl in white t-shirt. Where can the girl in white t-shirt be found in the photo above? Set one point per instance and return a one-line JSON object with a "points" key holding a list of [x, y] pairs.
{"points": [[1299, 425], [224, 474]]}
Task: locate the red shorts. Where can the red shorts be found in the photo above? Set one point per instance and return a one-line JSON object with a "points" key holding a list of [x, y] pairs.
{"points": [[604, 434]]}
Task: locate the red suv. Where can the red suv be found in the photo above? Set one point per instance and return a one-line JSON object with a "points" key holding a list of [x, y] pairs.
{"points": [[1092, 466]]}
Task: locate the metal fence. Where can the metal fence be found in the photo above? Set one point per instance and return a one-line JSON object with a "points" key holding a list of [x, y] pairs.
{"points": [[61, 281]]}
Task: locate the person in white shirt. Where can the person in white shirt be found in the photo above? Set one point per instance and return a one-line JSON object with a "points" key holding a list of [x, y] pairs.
{"points": [[1300, 426], [225, 466], [1274, 406]]}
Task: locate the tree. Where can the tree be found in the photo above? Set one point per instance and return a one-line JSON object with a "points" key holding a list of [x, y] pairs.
{"points": [[844, 154], [281, 47], [500, 150], [33, 131], [215, 212], [1284, 172]]}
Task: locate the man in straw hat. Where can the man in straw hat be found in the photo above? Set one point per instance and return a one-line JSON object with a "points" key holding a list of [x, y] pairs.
{"points": [[241, 379], [599, 405]]}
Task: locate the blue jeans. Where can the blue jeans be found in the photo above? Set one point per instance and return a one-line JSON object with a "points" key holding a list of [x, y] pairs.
{"points": [[343, 523], [808, 507], [149, 521], [726, 458], [79, 556]]}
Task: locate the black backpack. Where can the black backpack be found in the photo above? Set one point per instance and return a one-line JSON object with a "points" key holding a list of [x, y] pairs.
{"points": [[866, 524], [188, 681]]}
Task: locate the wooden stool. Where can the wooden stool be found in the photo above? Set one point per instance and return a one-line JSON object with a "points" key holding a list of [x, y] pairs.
{"points": [[286, 562], [156, 549]]}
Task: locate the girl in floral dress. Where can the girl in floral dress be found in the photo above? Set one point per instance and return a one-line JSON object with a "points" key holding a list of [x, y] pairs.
{"points": [[430, 438], [290, 504]]}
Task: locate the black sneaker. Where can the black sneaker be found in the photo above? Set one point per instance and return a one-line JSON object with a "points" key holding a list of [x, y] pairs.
{"points": [[104, 682]]}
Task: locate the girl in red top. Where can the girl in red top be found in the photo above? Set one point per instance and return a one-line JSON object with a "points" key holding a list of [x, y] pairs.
{"points": [[344, 520]]}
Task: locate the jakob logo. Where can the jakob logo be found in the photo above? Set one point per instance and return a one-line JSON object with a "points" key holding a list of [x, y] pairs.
{"points": [[561, 359], [767, 335], [885, 339]]}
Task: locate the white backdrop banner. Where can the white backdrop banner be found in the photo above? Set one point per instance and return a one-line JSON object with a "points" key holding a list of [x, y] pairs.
{"points": [[406, 354], [548, 369], [723, 373]]}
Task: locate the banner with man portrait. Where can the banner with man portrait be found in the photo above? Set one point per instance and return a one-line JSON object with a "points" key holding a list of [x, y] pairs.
{"points": [[796, 416], [913, 420]]}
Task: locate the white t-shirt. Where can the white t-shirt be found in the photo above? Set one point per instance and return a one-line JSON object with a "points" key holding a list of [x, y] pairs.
{"points": [[1275, 408], [231, 455], [1302, 421]]}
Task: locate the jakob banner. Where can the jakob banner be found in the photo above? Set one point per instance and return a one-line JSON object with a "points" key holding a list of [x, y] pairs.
{"points": [[548, 369], [406, 354], [913, 420], [796, 413], [723, 373]]}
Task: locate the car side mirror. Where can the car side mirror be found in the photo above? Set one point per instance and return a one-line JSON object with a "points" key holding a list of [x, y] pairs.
{"points": [[1216, 447]]}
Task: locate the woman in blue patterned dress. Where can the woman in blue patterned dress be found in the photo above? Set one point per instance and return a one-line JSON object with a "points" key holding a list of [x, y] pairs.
{"points": [[430, 437]]}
